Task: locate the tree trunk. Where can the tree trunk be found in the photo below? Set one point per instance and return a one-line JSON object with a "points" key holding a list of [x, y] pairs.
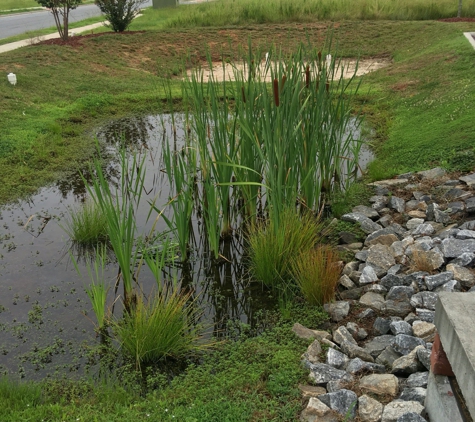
{"points": [[65, 22], [459, 12]]}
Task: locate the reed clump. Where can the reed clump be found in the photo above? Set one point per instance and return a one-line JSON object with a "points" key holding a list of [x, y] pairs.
{"points": [[87, 225], [273, 247], [159, 327], [316, 272]]}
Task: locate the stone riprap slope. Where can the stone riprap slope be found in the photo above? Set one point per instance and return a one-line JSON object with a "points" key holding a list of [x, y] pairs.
{"points": [[375, 364]]}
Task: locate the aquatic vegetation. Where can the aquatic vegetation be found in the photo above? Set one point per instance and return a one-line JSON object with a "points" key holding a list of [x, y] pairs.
{"points": [[273, 247], [86, 225], [316, 272]]}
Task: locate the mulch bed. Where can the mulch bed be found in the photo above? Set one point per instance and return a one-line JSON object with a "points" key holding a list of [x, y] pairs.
{"points": [[457, 20], [76, 41]]}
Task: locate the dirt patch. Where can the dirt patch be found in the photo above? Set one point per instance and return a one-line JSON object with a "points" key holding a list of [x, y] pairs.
{"points": [[221, 71]]}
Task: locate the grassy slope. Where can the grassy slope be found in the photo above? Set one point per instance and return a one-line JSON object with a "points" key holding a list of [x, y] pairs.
{"points": [[420, 103]]}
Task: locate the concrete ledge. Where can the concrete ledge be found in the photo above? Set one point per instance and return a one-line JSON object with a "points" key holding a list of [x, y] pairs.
{"points": [[440, 403], [470, 37], [455, 322]]}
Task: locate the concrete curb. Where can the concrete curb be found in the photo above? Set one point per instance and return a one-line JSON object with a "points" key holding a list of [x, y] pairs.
{"points": [[470, 37]]}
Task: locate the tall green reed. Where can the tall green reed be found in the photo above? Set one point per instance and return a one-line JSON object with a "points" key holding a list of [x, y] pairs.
{"points": [[119, 209]]}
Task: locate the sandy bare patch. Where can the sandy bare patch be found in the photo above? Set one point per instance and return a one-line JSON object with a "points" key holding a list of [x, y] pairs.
{"points": [[220, 71]]}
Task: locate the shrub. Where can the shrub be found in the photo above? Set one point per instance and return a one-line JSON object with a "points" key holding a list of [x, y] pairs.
{"points": [[273, 246], [317, 272], [119, 13]]}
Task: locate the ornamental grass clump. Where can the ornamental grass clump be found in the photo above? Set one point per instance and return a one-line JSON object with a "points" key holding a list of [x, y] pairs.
{"points": [[161, 326], [316, 272], [272, 246], [86, 226]]}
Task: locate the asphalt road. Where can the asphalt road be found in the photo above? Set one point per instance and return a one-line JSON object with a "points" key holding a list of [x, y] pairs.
{"points": [[20, 23]]}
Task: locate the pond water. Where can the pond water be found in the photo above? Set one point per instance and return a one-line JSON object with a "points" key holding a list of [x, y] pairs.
{"points": [[46, 321]]}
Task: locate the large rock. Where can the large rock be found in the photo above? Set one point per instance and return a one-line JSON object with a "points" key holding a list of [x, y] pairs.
{"points": [[393, 280], [405, 344], [453, 248], [367, 211], [303, 332], [373, 300], [380, 256], [354, 351], [425, 300], [313, 352], [380, 384], [316, 411], [400, 293], [342, 402], [384, 236], [369, 409], [311, 391], [341, 334], [396, 307], [337, 359], [397, 204], [378, 344], [381, 325], [424, 357], [432, 259], [462, 274], [410, 417], [469, 179], [366, 224], [433, 281], [400, 327], [418, 379], [392, 411], [320, 373], [387, 357], [424, 330], [358, 366], [408, 364], [368, 276], [337, 310], [434, 173], [414, 394]]}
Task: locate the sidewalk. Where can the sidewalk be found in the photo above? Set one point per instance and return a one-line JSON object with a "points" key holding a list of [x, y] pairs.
{"points": [[23, 43]]}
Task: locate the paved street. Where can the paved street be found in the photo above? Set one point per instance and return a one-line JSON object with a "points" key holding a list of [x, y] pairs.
{"points": [[20, 23]]}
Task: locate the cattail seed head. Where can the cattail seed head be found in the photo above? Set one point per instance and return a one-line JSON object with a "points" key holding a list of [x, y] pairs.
{"points": [[276, 92], [284, 78]]}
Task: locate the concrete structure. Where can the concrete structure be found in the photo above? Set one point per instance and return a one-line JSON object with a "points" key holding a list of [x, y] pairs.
{"points": [[455, 322], [470, 37]]}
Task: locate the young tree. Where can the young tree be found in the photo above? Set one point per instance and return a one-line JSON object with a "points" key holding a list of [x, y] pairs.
{"points": [[119, 13], [60, 9]]}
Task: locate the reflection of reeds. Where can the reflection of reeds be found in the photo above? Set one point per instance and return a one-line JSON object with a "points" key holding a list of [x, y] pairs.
{"points": [[316, 272]]}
